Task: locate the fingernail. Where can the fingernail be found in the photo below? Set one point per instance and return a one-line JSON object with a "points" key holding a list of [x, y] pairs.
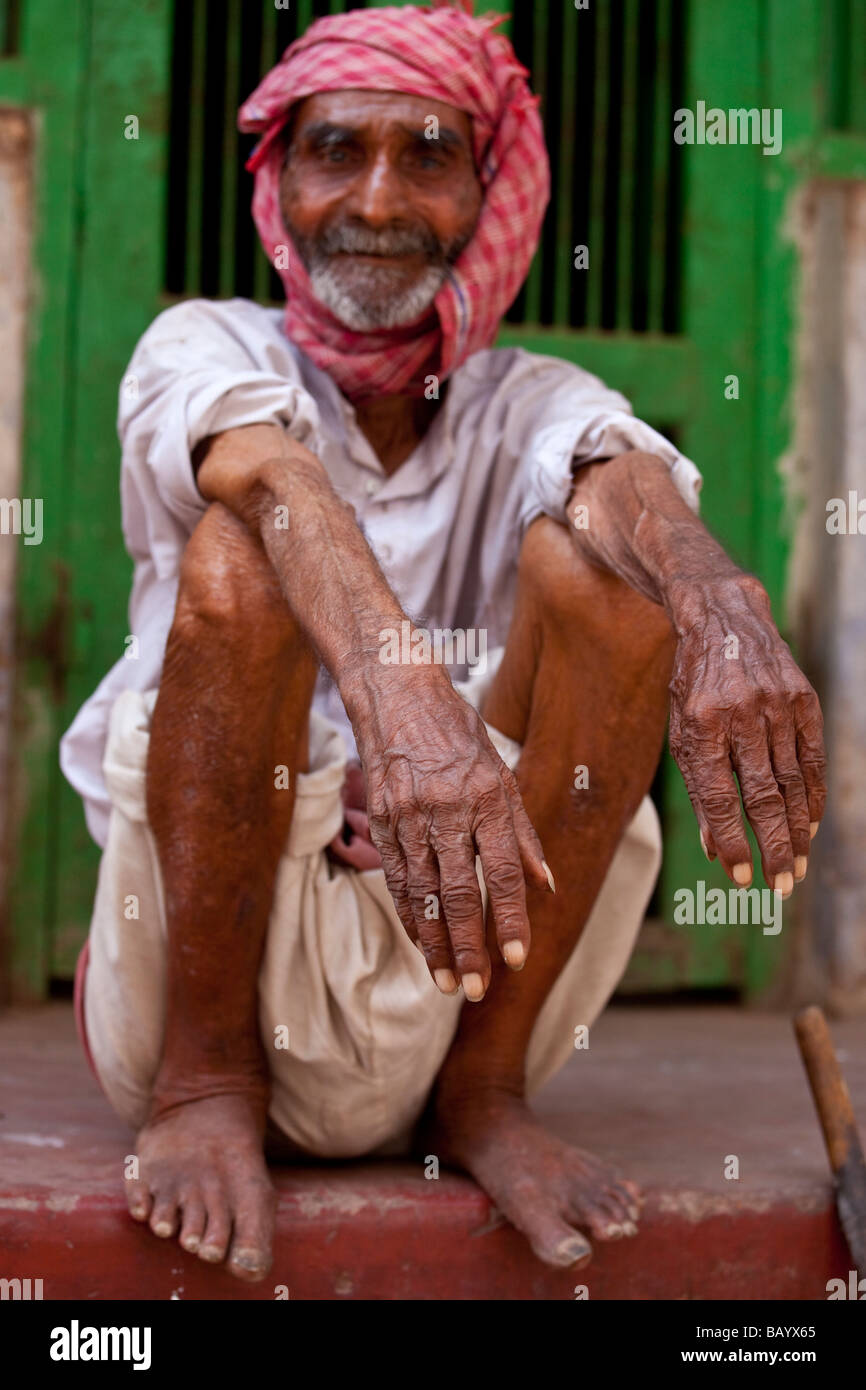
{"points": [[546, 868], [514, 954], [473, 987], [813, 829], [704, 844], [784, 884], [801, 864], [445, 981], [742, 874], [417, 942]]}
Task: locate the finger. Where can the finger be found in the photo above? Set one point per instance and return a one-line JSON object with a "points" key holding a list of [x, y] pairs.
{"points": [[811, 756], [396, 877], [506, 888], [708, 844], [464, 910], [789, 779], [427, 911], [765, 808], [535, 865], [358, 850], [720, 805]]}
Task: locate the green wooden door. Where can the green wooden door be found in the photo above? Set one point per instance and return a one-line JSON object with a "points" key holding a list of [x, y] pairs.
{"points": [[689, 282]]}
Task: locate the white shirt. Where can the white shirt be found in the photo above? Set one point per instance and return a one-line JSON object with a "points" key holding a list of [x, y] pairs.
{"points": [[445, 527]]}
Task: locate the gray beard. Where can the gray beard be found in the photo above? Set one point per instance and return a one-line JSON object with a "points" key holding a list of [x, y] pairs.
{"points": [[370, 302]]}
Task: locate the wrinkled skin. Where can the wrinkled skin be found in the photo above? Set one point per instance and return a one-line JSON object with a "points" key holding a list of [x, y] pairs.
{"points": [[757, 717], [644, 590]]}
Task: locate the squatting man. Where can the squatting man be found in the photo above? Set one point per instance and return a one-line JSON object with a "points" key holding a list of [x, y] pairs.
{"points": [[311, 933]]}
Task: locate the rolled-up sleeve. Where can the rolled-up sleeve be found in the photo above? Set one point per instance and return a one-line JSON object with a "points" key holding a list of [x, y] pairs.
{"points": [[583, 420], [193, 375]]}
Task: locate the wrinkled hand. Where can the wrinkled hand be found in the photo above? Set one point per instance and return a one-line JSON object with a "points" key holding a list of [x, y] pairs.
{"points": [[437, 793], [744, 707], [358, 851]]}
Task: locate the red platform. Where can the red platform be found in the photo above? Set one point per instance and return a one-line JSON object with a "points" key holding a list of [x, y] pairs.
{"points": [[667, 1093]]}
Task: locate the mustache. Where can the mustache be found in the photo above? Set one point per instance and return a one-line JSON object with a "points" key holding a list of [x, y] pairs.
{"points": [[349, 238]]}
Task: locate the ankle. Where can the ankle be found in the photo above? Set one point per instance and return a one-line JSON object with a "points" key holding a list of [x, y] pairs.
{"points": [[175, 1087]]}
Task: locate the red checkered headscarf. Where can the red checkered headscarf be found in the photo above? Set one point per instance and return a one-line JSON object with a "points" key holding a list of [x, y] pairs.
{"points": [[449, 56]]}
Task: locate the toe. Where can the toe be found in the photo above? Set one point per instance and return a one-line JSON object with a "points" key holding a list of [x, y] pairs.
{"points": [[632, 1197], [138, 1199], [217, 1230], [163, 1218], [193, 1221], [605, 1224], [557, 1243], [252, 1241]]}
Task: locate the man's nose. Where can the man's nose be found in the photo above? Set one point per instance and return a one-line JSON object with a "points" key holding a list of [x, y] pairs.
{"points": [[377, 192]]}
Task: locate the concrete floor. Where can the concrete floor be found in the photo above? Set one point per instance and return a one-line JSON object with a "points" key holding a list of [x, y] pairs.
{"points": [[669, 1093]]}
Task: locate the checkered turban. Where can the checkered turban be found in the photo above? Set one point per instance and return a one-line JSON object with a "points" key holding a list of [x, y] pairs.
{"points": [[450, 56]]}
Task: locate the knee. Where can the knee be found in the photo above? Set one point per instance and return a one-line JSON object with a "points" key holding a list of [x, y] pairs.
{"points": [[227, 586], [572, 594]]}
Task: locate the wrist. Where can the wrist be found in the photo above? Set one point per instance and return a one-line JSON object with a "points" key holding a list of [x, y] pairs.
{"points": [[369, 683], [716, 592]]}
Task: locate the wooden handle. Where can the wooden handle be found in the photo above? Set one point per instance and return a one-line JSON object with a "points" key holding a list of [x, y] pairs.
{"points": [[828, 1086]]}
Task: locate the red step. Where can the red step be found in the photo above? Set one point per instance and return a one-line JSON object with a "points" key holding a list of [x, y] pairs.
{"points": [[668, 1093]]}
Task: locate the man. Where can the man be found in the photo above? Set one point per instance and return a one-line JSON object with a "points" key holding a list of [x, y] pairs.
{"points": [[291, 791]]}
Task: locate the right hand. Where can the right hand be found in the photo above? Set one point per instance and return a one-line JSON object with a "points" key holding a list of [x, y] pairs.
{"points": [[437, 794]]}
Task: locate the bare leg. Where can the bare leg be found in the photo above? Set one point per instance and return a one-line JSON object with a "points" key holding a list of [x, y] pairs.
{"points": [[233, 705], [583, 680]]}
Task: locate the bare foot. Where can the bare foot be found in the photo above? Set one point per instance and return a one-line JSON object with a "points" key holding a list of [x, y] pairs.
{"points": [[203, 1178], [546, 1188]]}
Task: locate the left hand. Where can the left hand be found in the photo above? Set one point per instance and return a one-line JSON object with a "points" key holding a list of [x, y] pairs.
{"points": [[360, 852], [740, 705]]}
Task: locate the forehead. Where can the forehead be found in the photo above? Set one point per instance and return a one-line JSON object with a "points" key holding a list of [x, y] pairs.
{"points": [[377, 111]]}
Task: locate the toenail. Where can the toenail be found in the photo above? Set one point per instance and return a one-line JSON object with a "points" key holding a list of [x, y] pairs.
{"points": [[138, 1212], [629, 1228], [162, 1228], [210, 1253], [575, 1252], [190, 1243], [248, 1259], [634, 1213], [614, 1231]]}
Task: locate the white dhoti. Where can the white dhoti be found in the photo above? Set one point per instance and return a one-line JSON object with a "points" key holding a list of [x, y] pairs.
{"points": [[340, 982]]}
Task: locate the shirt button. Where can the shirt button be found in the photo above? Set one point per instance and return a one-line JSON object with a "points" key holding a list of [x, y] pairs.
{"points": [[371, 487]]}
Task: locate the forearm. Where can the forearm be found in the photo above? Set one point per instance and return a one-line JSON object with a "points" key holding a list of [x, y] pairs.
{"points": [[328, 574], [627, 516]]}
